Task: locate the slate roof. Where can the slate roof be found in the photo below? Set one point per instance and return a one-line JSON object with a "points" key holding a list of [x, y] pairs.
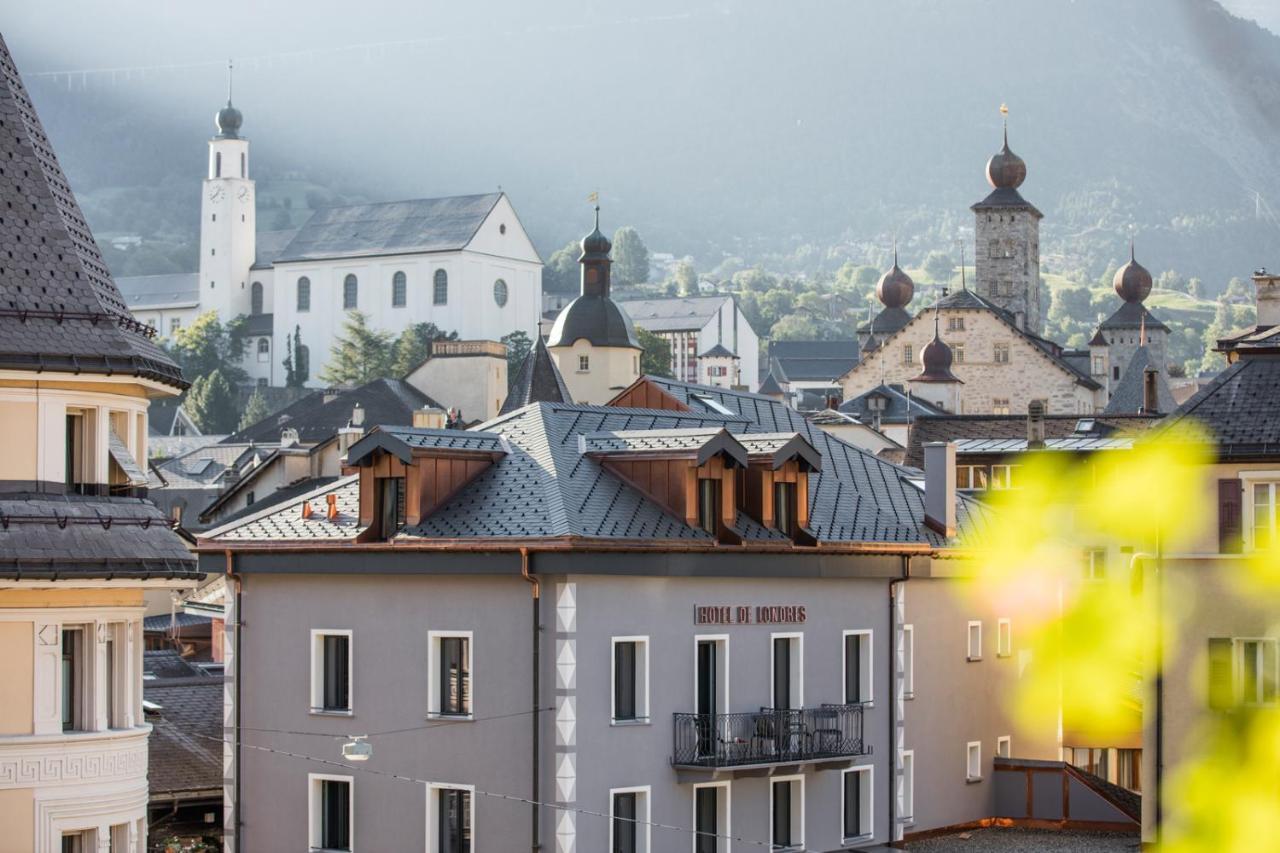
{"points": [[888, 321], [1131, 315], [975, 446], [1006, 198], [719, 351], [770, 386], [677, 314], [167, 290], [385, 401], [986, 427], [547, 487], [900, 407], [72, 536], [259, 324], [204, 467], [163, 621], [390, 228], [268, 245], [812, 361], [1129, 395], [120, 453], [539, 381], [622, 441], [59, 308], [598, 319], [184, 751], [1258, 338], [1240, 408], [275, 498]]}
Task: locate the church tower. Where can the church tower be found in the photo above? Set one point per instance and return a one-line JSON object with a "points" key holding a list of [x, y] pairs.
{"points": [[593, 341], [227, 221], [1007, 232]]}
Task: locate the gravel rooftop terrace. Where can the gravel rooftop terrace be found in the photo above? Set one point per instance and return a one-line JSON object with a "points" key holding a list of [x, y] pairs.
{"points": [[1014, 840]]}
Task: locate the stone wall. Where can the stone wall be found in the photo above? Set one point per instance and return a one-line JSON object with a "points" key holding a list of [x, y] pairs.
{"points": [[1008, 263]]}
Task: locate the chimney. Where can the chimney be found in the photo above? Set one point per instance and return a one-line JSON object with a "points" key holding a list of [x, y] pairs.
{"points": [[1267, 295], [288, 438], [347, 436], [940, 487], [1150, 400], [332, 512], [429, 418], [1035, 425], [357, 416]]}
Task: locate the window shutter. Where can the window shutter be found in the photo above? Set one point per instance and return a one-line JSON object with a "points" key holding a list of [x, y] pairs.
{"points": [[1221, 687], [1229, 517]]}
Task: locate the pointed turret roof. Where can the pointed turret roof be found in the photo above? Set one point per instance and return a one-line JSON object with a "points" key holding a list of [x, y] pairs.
{"points": [[1129, 394], [539, 381], [770, 387], [59, 308]]}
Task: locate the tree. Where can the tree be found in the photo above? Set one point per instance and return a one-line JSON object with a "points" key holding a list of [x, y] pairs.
{"points": [[414, 346], [207, 345], [211, 403], [301, 360], [360, 355], [290, 374], [938, 266], [255, 410], [796, 327], [1195, 287], [561, 274], [686, 278], [656, 358], [630, 257], [519, 345]]}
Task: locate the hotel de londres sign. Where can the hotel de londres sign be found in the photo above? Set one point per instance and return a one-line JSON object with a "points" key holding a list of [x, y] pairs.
{"points": [[725, 614]]}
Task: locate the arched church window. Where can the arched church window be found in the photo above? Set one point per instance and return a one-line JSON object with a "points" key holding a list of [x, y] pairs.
{"points": [[304, 294], [264, 346], [255, 298], [399, 290], [500, 292], [440, 288], [217, 164], [350, 292]]}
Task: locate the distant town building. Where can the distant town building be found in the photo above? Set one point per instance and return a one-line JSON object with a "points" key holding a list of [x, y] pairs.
{"points": [[693, 325], [809, 371]]}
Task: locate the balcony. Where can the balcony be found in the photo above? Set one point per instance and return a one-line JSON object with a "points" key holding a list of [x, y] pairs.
{"points": [[765, 739]]}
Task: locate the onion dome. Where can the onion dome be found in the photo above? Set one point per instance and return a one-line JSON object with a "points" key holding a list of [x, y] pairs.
{"points": [[595, 246], [935, 359], [1132, 281], [228, 121], [1006, 170], [895, 287]]}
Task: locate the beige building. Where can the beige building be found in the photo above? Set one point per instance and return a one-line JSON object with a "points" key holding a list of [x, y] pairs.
{"points": [[78, 547]]}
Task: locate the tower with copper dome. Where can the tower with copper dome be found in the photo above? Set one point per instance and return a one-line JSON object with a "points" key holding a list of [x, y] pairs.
{"points": [[894, 290], [1130, 328], [1007, 230]]}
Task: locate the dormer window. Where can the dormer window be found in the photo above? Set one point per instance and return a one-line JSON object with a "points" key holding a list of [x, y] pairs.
{"points": [[708, 504], [784, 508], [390, 511]]}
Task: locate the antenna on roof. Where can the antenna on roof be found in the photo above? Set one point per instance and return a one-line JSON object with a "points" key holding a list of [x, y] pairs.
{"points": [[1004, 112], [230, 74]]}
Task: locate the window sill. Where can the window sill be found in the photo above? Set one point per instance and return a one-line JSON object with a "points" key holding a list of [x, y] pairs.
{"points": [[910, 694], [1004, 654], [972, 780], [857, 839], [973, 660], [909, 820], [332, 712], [638, 721], [457, 718]]}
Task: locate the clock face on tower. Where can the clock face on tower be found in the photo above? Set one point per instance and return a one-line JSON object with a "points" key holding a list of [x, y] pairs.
{"points": [[217, 193], [243, 194]]}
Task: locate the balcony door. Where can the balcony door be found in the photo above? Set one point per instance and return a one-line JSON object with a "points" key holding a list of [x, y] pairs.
{"points": [[707, 699], [787, 674]]}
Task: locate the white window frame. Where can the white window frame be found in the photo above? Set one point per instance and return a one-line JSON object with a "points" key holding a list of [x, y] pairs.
{"points": [[1237, 670], [968, 640], [724, 815], [909, 661], [1004, 746], [317, 671], [722, 671], [1249, 479], [433, 812], [433, 676], [644, 829], [1001, 478], [642, 680], [797, 665], [314, 803], [1004, 637], [867, 793], [797, 793], [584, 364], [867, 669], [907, 791], [972, 761]]}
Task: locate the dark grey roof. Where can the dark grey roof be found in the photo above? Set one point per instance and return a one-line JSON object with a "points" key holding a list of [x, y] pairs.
{"points": [[59, 308], [268, 246], [120, 453], [390, 228], [719, 351], [988, 446], [167, 663], [597, 319], [1240, 408], [770, 386], [160, 291], [259, 325], [401, 441], [184, 751], [164, 621], [71, 536], [812, 361], [1132, 315], [888, 321], [275, 498], [1006, 198], [285, 522], [960, 427], [900, 407], [539, 381], [1128, 397], [385, 401], [677, 314]]}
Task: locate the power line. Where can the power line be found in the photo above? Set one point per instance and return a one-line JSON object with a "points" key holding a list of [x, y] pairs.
{"points": [[491, 794]]}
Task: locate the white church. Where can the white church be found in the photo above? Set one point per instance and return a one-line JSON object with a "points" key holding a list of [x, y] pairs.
{"points": [[463, 263]]}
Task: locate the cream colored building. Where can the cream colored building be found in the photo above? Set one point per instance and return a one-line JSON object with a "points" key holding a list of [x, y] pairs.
{"points": [[78, 547]]}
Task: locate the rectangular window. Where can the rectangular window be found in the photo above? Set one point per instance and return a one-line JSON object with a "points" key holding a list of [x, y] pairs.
{"points": [[73, 676], [786, 813], [973, 761], [1000, 406], [858, 679], [453, 820], [908, 355], [332, 810], [1256, 675], [390, 506], [1004, 746], [1095, 564], [971, 478], [709, 505], [788, 671], [451, 687], [784, 507], [711, 817], [584, 363], [957, 353], [1004, 638], [974, 650], [857, 803], [331, 671], [114, 719], [907, 794], [1264, 514], [1002, 476], [1129, 769], [1001, 354], [631, 679], [955, 324], [629, 820], [174, 325], [1099, 366], [77, 463], [77, 842], [908, 661]]}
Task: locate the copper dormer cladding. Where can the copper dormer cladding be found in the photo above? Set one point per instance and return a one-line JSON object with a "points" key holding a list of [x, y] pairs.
{"points": [[60, 310], [594, 316]]}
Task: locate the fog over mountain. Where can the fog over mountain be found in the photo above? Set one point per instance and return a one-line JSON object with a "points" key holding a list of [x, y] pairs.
{"points": [[716, 127]]}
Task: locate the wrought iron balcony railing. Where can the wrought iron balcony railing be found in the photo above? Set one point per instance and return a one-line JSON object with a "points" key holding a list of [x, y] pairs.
{"points": [[768, 736]]}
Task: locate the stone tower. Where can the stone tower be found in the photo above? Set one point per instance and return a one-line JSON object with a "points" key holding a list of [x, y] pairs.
{"points": [[1007, 232]]}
